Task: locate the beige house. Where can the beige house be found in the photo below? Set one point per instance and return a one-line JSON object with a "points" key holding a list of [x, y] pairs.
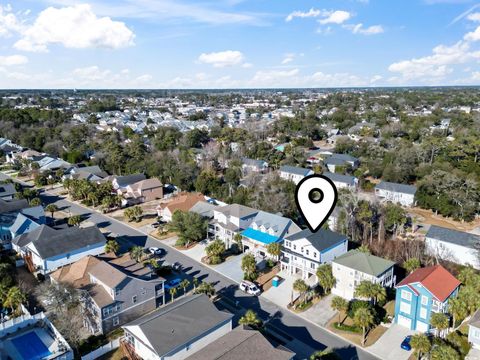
{"points": [[143, 191]]}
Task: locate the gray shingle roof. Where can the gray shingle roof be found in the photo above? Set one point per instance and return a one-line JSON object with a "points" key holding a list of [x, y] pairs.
{"points": [[347, 179], [12, 205], [340, 159], [236, 210], [400, 188], [50, 242], [203, 208], [320, 240], [171, 327], [281, 226], [7, 190], [129, 179], [453, 236], [295, 170], [241, 344], [364, 262]]}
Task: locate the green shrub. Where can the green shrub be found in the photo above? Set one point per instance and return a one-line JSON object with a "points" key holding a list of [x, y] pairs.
{"points": [[214, 260], [349, 328]]}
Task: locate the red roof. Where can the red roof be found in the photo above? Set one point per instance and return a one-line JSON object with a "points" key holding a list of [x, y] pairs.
{"points": [[435, 279]]}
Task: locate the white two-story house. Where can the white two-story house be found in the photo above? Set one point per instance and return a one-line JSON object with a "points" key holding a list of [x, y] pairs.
{"points": [[396, 193], [230, 220], [343, 181], [356, 266], [293, 173], [305, 251]]}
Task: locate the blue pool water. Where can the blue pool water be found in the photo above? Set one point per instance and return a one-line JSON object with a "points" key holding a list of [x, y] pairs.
{"points": [[30, 346]]}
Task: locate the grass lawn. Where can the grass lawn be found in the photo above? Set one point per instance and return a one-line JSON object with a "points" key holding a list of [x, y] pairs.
{"points": [[168, 235]]}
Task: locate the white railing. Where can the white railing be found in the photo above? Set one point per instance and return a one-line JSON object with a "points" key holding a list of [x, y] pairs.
{"points": [[14, 324], [95, 354]]}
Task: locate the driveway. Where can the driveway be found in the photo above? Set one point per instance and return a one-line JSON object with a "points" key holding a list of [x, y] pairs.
{"points": [[283, 293], [232, 268], [388, 346], [321, 312]]}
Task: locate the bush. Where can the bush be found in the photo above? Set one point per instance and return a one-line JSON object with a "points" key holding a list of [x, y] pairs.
{"points": [[91, 343], [270, 263], [349, 328], [214, 260]]}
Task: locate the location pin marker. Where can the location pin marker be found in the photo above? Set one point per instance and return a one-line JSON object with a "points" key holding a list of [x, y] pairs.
{"points": [[316, 196]]}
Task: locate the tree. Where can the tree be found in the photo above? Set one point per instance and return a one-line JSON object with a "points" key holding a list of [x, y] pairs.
{"points": [[112, 246], [421, 344], [51, 208], [173, 292], [325, 277], [363, 318], [215, 251], [195, 283], [35, 202], [301, 287], [274, 249], [190, 227], [440, 322], [238, 241], [251, 319], [205, 288], [411, 265], [15, 297], [326, 354], [249, 267], [339, 304], [74, 220], [133, 213], [364, 249], [184, 285], [457, 307], [136, 253], [444, 352]]}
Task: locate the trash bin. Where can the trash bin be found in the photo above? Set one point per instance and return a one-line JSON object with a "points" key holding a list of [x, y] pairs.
{"points": [[275, 281]]}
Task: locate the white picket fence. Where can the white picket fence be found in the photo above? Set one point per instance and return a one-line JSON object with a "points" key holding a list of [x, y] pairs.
{"points": [[95, 354]]}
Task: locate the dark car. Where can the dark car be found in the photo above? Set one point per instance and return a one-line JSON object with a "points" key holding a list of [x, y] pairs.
{"points": [[172, 283], [405, 345]]}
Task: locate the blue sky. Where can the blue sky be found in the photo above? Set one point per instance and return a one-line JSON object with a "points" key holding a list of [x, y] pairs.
{"points": [[238, 43]]}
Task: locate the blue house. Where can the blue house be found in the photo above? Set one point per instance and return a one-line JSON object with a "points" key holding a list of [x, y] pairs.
{"points": [[423, 292]]}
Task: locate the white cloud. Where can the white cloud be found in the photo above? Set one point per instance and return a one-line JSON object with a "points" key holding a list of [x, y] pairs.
{"points": [[222, 58], [8, 21], [91, 73], [247, 65], [74, 27], [288, 58], [336, 17], [304, 14], [371, 30], [12, 60], [473, 35], [267, 78], [474, 16]]}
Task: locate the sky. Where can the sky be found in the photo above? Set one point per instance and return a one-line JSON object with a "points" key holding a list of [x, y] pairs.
{"points": [[177, 44]]}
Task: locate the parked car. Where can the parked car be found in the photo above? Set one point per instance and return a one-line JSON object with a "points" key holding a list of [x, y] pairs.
{"points": [[173, 283], [249, 288], [156, 251], [177, 266], [405, 345]]}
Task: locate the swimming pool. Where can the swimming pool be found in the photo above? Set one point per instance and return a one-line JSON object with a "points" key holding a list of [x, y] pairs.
{"points": [[30, 347]]}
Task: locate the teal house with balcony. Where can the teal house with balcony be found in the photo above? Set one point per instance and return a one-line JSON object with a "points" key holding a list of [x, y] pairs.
{"points": [[423, 292]]}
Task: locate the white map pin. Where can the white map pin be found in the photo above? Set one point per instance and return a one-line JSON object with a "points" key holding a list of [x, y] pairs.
{"points": [[316, 196]]}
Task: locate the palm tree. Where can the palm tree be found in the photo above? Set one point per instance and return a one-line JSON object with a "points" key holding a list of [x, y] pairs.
{"points": [[250, 319], [74, 220], [274, 249], [379, 293], [365, 290], [205, 288], [444, 352], [363, 318], [112, 246], [339, 304], [184, 285], [173, 291], [411, 265], [15, 297], [440, 322], [325, 277], [136, 253], [52, 208], [93, 198], [35, 202], [421, 344], [301, 287], [457, 308], [195, 283], [326, 354]]}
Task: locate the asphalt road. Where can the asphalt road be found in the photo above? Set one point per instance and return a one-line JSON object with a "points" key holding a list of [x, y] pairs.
{"points": [[308, 333]]}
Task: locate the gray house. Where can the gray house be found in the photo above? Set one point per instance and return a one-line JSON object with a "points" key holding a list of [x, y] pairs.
{"points": [[396, 193], [474, 330], [335, 161], [115, 290], [7, 191], [177, 330]]}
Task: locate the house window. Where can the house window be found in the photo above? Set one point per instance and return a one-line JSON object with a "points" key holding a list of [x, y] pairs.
{"points": [[423, 313], [116, 321], [287, 243], [424, 300], [406, 295], [307, 252], [143, 292], [134, 299], [314, 254], [312, 265], [117, 291], [294, 247], [405, 307]]}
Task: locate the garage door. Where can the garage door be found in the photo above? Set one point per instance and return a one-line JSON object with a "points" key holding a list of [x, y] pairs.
{"points": [[421, 326], [404, 321]]}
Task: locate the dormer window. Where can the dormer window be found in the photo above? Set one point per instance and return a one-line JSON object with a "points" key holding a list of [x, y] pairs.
{"points": [[117, 291]]}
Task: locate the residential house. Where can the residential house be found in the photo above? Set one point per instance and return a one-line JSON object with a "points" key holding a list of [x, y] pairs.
{"points": [[453, 245], [294, 173], [49, 163], [423, 292], [181, 202], [242, 343], [32, 337], [266, 228], [17, 156], [121, 182], [356, 266], [343, 181], [45, 249], [230, 220], [143, 191], [177, 330], [255, 166], [396, 193], [304, 251], [7, 191], [474, 330], [90, 173], [204, 209], [114, 290], [336, 161]]}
